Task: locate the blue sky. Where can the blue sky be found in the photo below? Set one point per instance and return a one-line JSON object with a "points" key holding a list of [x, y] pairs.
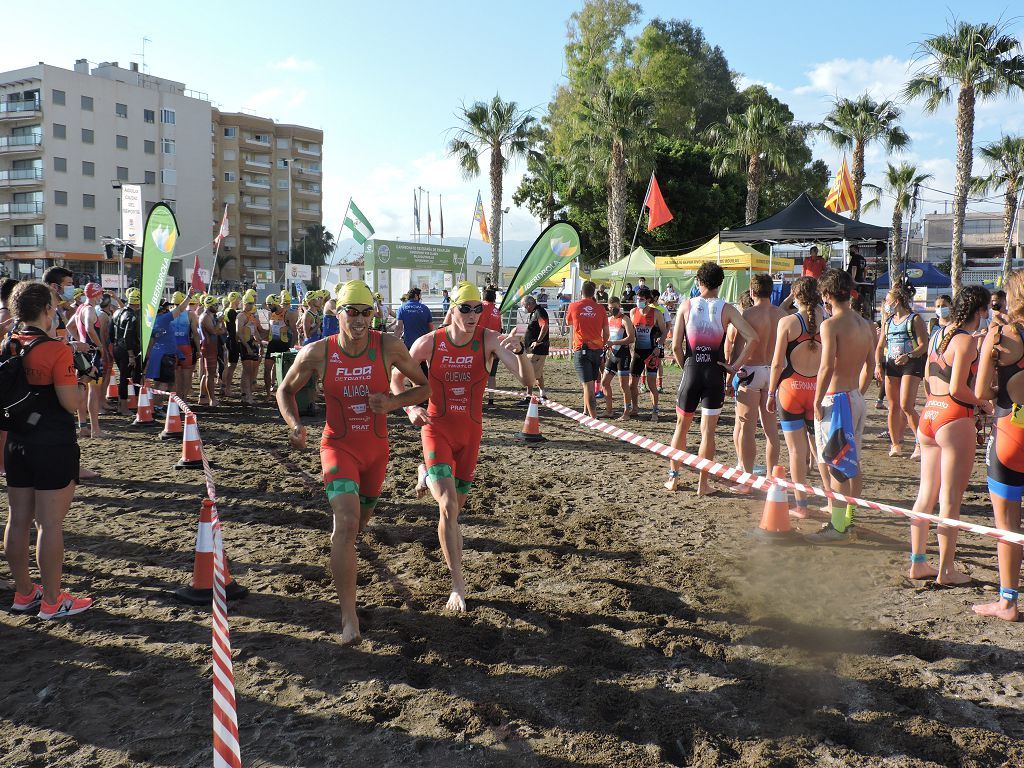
{"points": [[383, 80]]}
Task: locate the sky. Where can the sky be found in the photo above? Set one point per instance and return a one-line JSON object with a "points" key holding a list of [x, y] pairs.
{"points": [[384, 80]]}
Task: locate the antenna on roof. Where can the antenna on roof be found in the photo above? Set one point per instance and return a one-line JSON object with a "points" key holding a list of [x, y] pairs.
{"points": [[143, 54]]}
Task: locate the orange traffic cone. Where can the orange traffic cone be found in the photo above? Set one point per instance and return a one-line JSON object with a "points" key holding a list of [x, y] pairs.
{"points": [[144, 413], [531, 427], [191, 445], [775, 518], [112, 388], [200, 592], [133, 399], [172, 424]]}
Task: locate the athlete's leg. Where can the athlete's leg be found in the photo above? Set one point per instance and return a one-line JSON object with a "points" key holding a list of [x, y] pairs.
{"points": [[345, 507], [957, 439], [927, 496], [652, 385], [747, 410], [21, 502], [708, 425], [268, 374], [770, 425], [683, 422], [627, 396], [796, 444], [606, 387], [908, 402], [450, 536], [896, 420], [1007, 514], [51, 507], [95, 395]]}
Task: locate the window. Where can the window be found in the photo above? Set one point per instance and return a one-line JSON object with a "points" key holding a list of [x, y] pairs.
{"points": [[151, 177], [167, 146], [148, 116], [167, 116], [282, 183], [262, 138], [229, 155], [61, 230], [57, 97], [88, 233], [88, 201], [60, 197], [282, 143], [229, 176], [149, 147], [60, 164], [60, 131], [87, 136], [88, 168], [282, 165], [229, 199], [121, 110], [87, 103], [122, 142], [168, 176], [122, 173], [230, 132]]}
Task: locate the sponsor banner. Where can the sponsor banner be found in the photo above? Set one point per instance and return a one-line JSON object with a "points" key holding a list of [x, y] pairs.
{"points": [[131, 213], [298, 272], [557, 246], [157, 251]]}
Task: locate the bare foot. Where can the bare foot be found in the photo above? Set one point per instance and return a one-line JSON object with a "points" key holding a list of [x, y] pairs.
{"points": [[350, 633], [421, 481], [87, 474], [895, 450], [953, 578], [1000, 609], [97, 433], [921, 571], [456, 603], [917, 452], [798, 512], [625, 415], [672, 484]]}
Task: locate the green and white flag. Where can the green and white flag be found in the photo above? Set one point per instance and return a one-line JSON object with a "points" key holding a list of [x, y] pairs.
{"points": [[354, 220]]}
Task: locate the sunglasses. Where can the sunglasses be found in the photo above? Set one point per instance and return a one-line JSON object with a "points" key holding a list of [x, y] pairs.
{"points": [[467, 308], [353, 312]]}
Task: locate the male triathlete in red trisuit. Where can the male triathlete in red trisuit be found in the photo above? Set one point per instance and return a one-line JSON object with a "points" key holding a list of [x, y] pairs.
{"points": [[355, 365], [459, 358]]}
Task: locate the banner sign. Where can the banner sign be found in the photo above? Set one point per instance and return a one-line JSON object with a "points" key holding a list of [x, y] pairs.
{"points": [[557, 246], [157, 253], [263, 275], [298, 272], [111, 281], [131, 213], [392, 254]]}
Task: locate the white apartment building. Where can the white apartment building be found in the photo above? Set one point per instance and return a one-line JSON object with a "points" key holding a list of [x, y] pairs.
{"points": [[68, 137]]}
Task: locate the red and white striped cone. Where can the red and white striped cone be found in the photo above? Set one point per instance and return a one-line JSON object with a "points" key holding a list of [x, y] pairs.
{"points": [[133, 398], [200, 591], [191, 445], [531, 426], [112, 388], [775, 518], [172, 424], [144, 413]]}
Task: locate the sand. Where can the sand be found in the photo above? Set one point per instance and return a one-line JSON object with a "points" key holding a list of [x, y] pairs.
{"points": [[610, 623]]}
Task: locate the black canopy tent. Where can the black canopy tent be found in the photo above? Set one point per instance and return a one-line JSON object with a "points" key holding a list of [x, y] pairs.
{"points": [[804, 221]]}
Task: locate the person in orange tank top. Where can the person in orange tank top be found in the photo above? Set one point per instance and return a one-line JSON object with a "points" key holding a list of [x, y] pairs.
{"points": [[355, 365], [459, 359]]}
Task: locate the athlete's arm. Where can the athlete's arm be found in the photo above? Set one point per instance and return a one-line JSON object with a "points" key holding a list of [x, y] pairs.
{"points": [[965, 353], [921, 334], [184, 304], [400, 359], [419, 353], [749, 337], [399, 328], [827, 367], [983, 384], [308, 363], [542, 335], [880, 353], [630, 336], [679, 332], [865, 371], [519, 366], [778, 361]]}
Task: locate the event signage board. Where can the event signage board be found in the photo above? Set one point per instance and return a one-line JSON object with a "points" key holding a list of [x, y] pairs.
{"points": [[263, 275], [298, 271], [557, 246], [131, 213], [157, 252], [394, 254]]}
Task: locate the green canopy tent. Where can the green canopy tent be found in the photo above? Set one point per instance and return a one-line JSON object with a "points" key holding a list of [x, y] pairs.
{"points": [[736, 282], [641, 264]]}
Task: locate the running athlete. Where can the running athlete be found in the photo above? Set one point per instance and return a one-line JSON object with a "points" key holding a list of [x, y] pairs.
{"points": [[649, 326], [753, 379], [947, 434], [793, 381], [355, 366], [697, 341], [279, 338], [491, 320], [620, 335], [1002, 361], [900, 355], [458, 358]]}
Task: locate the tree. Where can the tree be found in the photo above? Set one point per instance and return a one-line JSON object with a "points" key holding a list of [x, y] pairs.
{"points": [[978, 62], [855, 123], [758, 138], [1006, 160], [539, 188], [501, 130], [900, 184], [316, 245]]}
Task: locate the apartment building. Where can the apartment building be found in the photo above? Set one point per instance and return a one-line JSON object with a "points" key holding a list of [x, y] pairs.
{"points": [[69, 137], [983, 238], [262, 170]]}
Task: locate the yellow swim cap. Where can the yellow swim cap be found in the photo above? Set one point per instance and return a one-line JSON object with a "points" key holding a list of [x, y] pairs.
{"points": [[133, 296], [354, 292], [211, 301], [286, 298], [233, 296], [196, 298], [465, 291], [273, 301], [178, 297]]}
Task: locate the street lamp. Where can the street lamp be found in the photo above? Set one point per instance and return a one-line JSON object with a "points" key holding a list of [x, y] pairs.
{"points": [[288, 162], [117, 243]]}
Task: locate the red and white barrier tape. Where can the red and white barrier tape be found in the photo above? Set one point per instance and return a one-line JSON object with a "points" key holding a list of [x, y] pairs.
{"points": [[758, 481], [226, 750]]}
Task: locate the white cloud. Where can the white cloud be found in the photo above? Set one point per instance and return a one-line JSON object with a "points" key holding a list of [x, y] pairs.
{"points": [[883, 78], [293, 64]]}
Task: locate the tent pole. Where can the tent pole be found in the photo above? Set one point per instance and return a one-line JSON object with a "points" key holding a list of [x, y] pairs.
{"points": [[771, 257], [636, 232]]}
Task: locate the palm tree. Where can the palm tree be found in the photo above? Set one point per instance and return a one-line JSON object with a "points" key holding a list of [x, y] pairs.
{"points": [[855, 123], [616, 123], [1006, 159], [978, 61], [900, 184], [502, 130], [315, 246], [757, 139]]}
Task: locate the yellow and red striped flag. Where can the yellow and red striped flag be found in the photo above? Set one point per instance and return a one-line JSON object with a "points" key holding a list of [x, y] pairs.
{"points": [[478, 217], [841, 197]]}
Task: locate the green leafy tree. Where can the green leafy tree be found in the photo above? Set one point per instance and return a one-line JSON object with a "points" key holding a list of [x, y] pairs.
{"points": [[974, 62], [539, 188], [500, 130], [855, 123], [900, 184], [1005, 159], [315, 247]]}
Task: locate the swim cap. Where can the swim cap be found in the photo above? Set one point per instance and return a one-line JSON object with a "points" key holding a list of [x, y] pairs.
{"points": [[92, 290], [273, 300], [286, 298], [249, 296], [465, 291], [133, 296], [77, 294], [354, 292], [196, 298], [233, 296], [211, 301], [178, 297]]}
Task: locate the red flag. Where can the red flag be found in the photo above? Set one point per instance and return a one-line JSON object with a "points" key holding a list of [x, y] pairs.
{"points": [[197, 280], [224, 230], [660, 214]]}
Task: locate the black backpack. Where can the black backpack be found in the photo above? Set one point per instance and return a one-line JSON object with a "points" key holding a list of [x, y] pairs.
{"points": [[126, 328], [19, 406]]}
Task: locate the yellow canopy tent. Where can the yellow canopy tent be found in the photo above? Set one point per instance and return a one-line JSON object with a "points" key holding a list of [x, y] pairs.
{"points": [[729, 255], [554, 280]]}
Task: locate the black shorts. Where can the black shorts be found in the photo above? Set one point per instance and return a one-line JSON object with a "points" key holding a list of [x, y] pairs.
{"points": [[234, 350], [638, 363], [249, 352], [703, 384], [276, 345], [43, 466], [587, 363], [618, 364], [913, 367]]}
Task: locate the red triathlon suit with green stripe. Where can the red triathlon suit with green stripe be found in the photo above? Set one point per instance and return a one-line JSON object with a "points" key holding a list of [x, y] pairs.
{"points": [[458, 377], [354, 448]]}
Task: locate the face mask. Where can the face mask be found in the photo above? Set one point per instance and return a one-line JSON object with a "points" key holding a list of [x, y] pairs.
{"points": [[642, 304], [997, 307], [943, 312], [888, 308], [68, 292], [616, 310]]}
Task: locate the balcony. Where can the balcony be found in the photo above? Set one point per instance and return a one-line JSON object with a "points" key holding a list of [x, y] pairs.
{"points": [[20, 143], [305, 192], [311, 152], [261, 143], [21, 210], [258, 183], [13, 242], [258, 205], [250, 226], [22, 177], [19, 110], [308, 213], [256, 247], [254, 163]]}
